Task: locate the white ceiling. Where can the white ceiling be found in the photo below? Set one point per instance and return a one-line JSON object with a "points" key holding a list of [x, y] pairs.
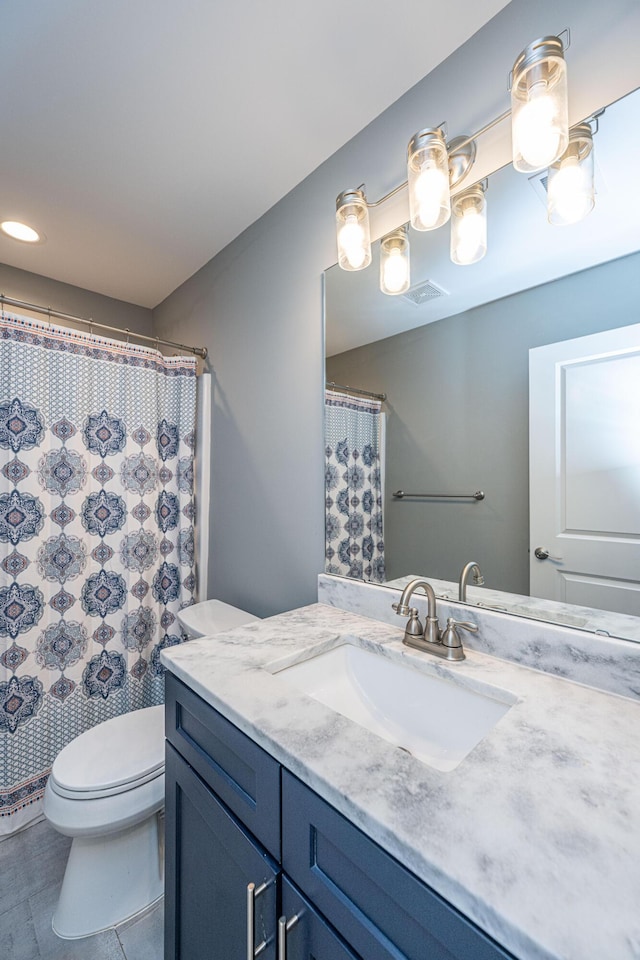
{"points": [[523, 249], [142, 136]]}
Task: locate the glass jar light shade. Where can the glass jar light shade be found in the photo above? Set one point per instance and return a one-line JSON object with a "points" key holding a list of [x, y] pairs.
{"points": [[570, 188], [428, 176], [394, 262], [469, 226], [353, 233], [539, 107]]}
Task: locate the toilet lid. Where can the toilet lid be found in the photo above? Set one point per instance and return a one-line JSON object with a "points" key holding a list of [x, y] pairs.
{"points": [[113, 756]]}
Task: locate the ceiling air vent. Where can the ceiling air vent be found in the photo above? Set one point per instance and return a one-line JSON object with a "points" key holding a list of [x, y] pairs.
{"points": [[424, 292]]}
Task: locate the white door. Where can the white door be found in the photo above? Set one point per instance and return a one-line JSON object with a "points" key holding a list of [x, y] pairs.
{"points": [[584, 470]]}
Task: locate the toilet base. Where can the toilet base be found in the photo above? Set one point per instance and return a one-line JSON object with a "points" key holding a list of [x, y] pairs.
{"points": [[110, 879]]}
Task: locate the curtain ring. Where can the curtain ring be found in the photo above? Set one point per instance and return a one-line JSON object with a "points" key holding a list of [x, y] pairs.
{"points": [[90, 326], [127, 331]]}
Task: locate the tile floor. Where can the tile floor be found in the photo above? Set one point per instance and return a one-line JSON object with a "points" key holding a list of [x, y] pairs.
{"points": [[31, 868]]}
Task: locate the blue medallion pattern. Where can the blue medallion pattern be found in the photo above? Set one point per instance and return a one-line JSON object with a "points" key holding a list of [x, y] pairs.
{"points": [[104, 435], [166, 583], [21, 425], [167, 511], [62, 472], [21, 517], [103, 593], [185, 475], [186, 547], [169, 640], [62, 558], [139, 551], [354, 545], [96, 497], [167, 440], [20, 699], [139, 629], [21, 606], [61, 645], [139, 474], [103, 513], [104, 674]]}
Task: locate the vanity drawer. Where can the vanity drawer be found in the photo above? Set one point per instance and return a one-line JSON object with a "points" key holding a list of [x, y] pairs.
{"points": [[381, 909], [242, 775]]}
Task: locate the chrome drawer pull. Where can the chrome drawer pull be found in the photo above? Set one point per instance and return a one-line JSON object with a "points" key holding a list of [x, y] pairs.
{"points": [[252, 893], [283, 928]]}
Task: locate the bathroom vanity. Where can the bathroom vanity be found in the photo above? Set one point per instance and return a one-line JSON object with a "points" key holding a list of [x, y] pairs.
{"points": [[295, 827]]}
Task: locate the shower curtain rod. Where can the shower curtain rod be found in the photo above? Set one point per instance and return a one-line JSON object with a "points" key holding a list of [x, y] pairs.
{"points": [[331, 385], [199, 351]]}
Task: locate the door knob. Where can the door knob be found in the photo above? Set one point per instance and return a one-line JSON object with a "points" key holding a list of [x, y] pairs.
{"points": [[541, 553]]}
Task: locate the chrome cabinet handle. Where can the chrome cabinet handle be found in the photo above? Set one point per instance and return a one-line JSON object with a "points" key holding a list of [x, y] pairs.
{"points": [[252, 893], [283, 928], [541, 553]]}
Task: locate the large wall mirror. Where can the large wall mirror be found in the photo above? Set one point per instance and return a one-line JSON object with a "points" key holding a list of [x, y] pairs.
{"points": [[517, 376]]}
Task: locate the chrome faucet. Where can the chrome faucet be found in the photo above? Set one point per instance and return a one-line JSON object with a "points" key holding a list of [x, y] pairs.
{"points": [[478, 579], [446, 644]]}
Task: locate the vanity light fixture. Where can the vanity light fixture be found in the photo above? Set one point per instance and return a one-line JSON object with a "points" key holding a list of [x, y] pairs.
{"points": [[394, 262], [570, 187], [539, 115], [539, 105], [469, 225], [428, 179], [354, 236], [21, 231]]}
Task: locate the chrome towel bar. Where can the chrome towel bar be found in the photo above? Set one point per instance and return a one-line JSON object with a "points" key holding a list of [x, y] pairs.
{"points": [[478, 495]]}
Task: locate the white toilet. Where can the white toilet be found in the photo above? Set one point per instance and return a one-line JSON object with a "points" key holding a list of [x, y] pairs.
{"points": [[106, 790]]}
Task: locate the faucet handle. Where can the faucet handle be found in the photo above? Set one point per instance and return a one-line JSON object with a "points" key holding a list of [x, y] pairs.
{"points": [[451, 637], [471, 627], [413, 627]]}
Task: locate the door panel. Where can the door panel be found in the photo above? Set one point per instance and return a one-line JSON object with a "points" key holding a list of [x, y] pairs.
{"points": [[309, 936], [210, 860], [585, 470]]}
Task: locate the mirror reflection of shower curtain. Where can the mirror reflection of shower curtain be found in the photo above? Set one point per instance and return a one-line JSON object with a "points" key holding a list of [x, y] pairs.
{"points": [[354, 471]]}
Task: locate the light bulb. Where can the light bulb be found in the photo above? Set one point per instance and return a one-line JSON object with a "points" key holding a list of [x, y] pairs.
{"points": [[20, 231], [396, 273], [539, 107], [471, 236], [469, 226], [538, 134], [428, 179], [351, 239], [431, 185], [569, 192]]}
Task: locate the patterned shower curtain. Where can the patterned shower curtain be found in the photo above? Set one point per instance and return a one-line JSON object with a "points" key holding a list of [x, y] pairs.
{"points": [[353, 477], [96, 539]]}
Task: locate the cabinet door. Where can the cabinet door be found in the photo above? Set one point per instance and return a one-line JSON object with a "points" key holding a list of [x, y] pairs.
{"points": [[210, 861], [308, 936]]}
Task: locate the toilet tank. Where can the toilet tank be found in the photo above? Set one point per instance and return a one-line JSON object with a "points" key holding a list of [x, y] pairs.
{"points": [[212, 616]]}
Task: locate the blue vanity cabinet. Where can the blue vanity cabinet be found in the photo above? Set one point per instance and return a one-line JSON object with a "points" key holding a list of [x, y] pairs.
{"points": [[381, 909], [324, 889], [210, 862], [306, 934]]}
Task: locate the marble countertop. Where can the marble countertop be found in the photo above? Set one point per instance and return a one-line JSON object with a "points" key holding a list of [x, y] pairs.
{"points": [[535, 836]]}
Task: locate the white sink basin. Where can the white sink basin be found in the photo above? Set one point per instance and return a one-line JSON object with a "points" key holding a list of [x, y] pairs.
{"points": [[435, 720]]}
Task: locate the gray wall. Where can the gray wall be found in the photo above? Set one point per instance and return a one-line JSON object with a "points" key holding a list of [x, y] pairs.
{"points": [[258, 304], [31, 287], [458, 419]]}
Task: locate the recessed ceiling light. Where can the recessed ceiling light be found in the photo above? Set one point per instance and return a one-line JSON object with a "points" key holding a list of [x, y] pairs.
{"points": [[20, 231]]}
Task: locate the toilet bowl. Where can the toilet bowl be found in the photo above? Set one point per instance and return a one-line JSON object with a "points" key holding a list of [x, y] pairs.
{"points": [[106, 791]]}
